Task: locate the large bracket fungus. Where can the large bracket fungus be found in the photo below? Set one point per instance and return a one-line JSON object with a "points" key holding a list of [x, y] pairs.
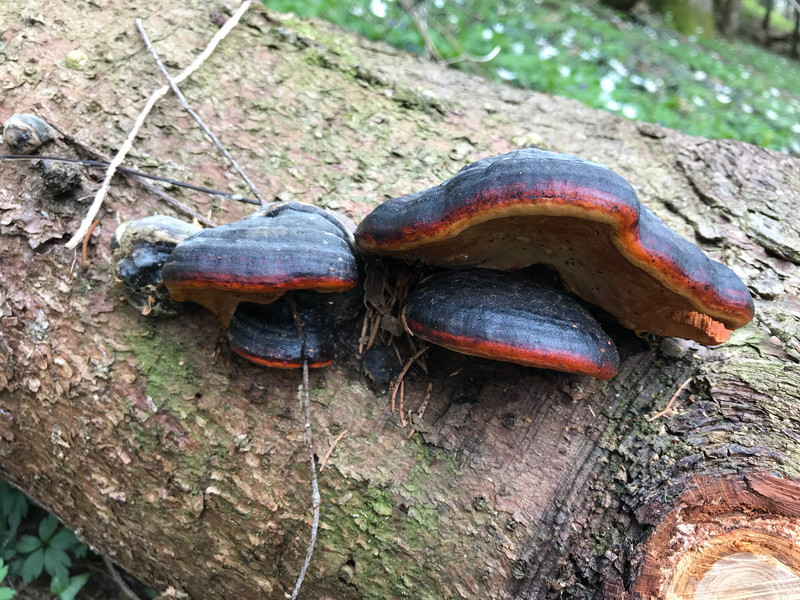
{"points": [[503, 317], [285, 247], [580, 219]]}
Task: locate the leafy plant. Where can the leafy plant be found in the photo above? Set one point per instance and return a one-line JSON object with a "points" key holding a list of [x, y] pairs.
{"points": [[47, 552], [6, 593], [67, 590], [13, 508], [637, 68]]}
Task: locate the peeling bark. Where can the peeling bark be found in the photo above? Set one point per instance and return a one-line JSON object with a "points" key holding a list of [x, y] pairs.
{"points": [[186, 464]]}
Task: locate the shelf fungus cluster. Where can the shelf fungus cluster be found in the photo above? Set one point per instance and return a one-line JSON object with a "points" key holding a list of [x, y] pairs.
{"points": [[276, 277], [578, 218], [273, 278]]}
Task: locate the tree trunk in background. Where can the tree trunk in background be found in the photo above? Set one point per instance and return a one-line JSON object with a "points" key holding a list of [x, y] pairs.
{"points": [[727, 14], [768, 5], [186, 464]]}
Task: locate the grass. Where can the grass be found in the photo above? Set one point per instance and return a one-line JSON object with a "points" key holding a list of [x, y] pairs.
{"points": [[638, 68]]}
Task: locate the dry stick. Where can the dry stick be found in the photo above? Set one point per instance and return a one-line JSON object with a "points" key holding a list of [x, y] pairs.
{"points": [[401, 409], [363, 337], [118, 579], [474, 59], [330, 450], [92, 151], [128, 171], [155, 97], [424, 405], [316, 501], [422, 28], [399, 379], [671, 400], [86, 240], [187, 108], [315, 497]]}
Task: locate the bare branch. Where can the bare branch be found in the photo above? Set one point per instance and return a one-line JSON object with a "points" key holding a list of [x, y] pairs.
{"points": [[187, 108], [77, 238]]}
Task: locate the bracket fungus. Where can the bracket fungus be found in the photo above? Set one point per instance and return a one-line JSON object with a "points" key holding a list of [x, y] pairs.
{"points": [[505, 317], [284, 247], [266, 334], [578, 218], [139, 250]]}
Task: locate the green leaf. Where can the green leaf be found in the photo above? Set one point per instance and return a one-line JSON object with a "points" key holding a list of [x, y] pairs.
{"points": [[56, 562], [3, 570], [7, 593], [19, 509], [63, 540], [32, 567], [68, 590], [13, 504], [80, 550], [28, 543], [15, 566], [47, 527]]}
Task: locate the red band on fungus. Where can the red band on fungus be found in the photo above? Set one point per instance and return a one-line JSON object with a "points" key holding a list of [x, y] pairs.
{"points": [[503, 317], [579, 218]]}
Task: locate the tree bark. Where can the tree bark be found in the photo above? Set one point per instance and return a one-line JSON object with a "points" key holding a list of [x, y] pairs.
{"points": [[186, 464]]}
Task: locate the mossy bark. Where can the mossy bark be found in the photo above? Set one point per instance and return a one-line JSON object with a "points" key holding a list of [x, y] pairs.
{"points": [[186, 464]]}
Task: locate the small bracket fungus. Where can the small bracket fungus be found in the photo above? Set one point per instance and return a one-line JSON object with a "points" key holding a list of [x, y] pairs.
{"points": [[504, 317], [283, 247], [139, 250], [580, 219], [267, 335]]}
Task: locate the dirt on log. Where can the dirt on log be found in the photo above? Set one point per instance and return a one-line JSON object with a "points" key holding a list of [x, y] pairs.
{"points": [[186, 464]]}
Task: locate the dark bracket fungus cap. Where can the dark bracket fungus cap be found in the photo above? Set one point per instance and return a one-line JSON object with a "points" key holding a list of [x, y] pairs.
{"points": [[582, 220], [267, 335], [503, 317], [139, 249], [284, 247]]}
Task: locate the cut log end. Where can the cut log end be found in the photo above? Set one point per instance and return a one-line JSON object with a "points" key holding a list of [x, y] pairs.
{"points": [[727, 539], [747, 564]]}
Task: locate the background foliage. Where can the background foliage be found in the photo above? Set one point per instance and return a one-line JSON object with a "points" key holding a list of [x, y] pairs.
{"points": [[638, 67]]}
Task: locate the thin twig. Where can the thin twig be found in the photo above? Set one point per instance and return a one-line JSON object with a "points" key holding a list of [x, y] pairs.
{"points": [[474, 59], [422, 28], [330, 450], [424, 405], [315, 497], [671, 400], [396, 386], [187, 108], [155, 97], [363, 337], [118, 579], [128, 171], [401, 409], [92, 151], [86, 240], [178, 205]]}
